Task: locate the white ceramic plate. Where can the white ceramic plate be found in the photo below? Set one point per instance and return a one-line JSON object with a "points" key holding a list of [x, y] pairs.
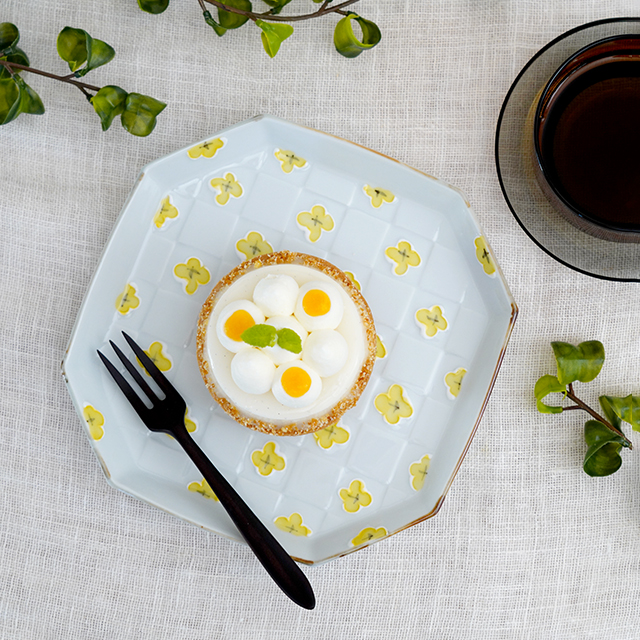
{"points": [[414, 247]]}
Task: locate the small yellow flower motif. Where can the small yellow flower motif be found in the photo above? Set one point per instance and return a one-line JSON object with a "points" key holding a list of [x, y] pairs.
{"points": [[289, 160], [166, 210], [203, 489], [292, 524], [189, 423], [333, 434], [355, 497], [378, 196], [368, 534], [315, 222], [418, 471], [95, 420], [226, 187], [453, 381], [207, 149], [484, 256], [381, 350], [267, 460], [431, 320], [393, 405], [353, 279], [194, 272], [158, 357], [127, 300], [253, 245], [402, 257]]}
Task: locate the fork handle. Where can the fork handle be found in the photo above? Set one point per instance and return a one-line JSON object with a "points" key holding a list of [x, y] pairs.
{"points": [[278, 563]]}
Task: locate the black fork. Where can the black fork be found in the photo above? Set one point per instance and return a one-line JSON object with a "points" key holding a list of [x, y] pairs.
{"points": [[167, 416]]}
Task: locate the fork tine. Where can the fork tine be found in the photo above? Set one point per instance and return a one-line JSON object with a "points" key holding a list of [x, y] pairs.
{"points": [[125, 387], [150, 366], [134, 371]]}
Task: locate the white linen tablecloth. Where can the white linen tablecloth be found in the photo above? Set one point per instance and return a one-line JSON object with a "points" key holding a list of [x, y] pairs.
{"points": [[525, 546]]}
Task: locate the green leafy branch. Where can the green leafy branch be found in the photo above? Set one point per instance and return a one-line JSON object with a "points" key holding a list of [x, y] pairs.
{"points": [[603, 434], [233, 14], [83, 54]]}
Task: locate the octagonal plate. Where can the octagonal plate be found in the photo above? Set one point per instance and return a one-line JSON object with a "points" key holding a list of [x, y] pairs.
{"points": [[442, 309]]}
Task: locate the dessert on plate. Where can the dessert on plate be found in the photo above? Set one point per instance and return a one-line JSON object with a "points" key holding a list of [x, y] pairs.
{"points": [[286, 343]]}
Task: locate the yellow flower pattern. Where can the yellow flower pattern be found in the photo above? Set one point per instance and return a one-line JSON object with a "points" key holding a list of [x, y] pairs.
{"points": [[418, 471], [194, 273], [353, 279], [314, 222], [253, 245], [289, 160], [226, 187], [453, 381], [431, 321], [127, 300], [157, 355], [189, 423], [381, 350], [206, 149], [378, 196], [402, 257], [484, 256], [393, 405], [95, 421], [293, 525], [166, 211], [368, 534], [267, 460], [203, 489], [333, 434], [355, 497]]}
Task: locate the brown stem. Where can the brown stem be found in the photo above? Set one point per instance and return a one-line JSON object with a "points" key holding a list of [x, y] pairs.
{"points": [[83, 86], [323, 10], [595, 415]]}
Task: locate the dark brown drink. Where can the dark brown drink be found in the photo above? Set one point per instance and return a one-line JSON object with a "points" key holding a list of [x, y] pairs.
{"points": [[587, 138]]}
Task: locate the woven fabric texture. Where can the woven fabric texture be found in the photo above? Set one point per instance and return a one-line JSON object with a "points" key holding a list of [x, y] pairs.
{"points": [[526, 545]]}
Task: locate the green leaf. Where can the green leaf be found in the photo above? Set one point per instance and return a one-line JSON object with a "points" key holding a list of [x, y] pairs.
{"points": [[17, 97], [9, 36], [108, 103], [545, 386], [626, 409], [139, 115], [288, 339], [603, 455], [260, 335], [153, 6], [609, 412], [76, 46], [345, 40], [273, 35], [582, 363], [213, 24], [230, 20], [276, 5], [18, 56], [72, 47]]}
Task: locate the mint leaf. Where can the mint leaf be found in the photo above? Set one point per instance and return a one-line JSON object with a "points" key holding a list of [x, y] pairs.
{"points": [[260, 335], [288, 339]]}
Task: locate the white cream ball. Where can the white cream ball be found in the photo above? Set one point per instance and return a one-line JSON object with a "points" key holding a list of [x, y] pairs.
{"points": [[233, 320], [296, 385], [326, 351], [276, 295], [253, 371], [319, 305], [277, 353]]}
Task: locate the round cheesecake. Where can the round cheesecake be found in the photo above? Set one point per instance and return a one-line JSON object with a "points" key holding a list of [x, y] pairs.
{"points": [[286, 343]]}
